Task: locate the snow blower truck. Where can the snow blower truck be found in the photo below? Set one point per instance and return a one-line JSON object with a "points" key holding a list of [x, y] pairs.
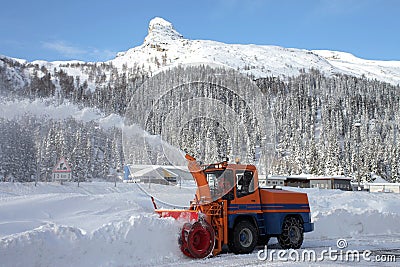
{"points": [[231, 211]]}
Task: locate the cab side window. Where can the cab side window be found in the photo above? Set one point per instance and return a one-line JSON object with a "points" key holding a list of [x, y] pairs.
{"points": [[245, 183], [228, 185]]}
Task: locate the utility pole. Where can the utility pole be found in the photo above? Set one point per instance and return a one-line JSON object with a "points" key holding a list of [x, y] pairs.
{"points": [[394, 146], [115, 177], [149, 181], [358, 125], [37, 170]]}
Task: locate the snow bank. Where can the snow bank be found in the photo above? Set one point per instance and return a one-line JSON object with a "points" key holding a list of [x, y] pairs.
{"points": [[341, 223], [140, 241], [344, 214], [95, 224]]}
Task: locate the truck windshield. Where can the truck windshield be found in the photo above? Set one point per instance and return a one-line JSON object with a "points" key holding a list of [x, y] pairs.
{"points": [[220, 183]]}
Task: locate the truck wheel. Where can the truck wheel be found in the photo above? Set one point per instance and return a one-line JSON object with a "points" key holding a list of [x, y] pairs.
{"points": [[292, 233], [244, 238]]}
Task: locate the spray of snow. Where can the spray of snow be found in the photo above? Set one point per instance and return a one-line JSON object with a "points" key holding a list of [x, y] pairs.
{"points": [[48, 108]]}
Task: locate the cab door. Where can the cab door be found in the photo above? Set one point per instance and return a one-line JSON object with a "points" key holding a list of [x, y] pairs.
{"points": [[247, 199]]}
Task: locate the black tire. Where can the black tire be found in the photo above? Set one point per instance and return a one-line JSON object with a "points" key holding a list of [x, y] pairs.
{"points": [[243, 238], [292, 233]]}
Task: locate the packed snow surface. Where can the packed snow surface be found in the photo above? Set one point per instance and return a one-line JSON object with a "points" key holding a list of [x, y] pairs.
{"points": [[98, 224]]}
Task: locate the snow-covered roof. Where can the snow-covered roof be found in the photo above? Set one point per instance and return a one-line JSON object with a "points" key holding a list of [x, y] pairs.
{"points": [[276, 177], [143, 172], [383, 184], [167, 167], [155, 171], [378, 179], [329, 177], [310, 177]]}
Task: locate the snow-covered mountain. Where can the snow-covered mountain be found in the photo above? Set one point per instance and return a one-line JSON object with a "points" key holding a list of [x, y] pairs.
{"points": [[165, 47]]}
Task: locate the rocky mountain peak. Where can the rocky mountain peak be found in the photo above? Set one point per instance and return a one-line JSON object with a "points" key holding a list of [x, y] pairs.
{"points": [[161, 31]]}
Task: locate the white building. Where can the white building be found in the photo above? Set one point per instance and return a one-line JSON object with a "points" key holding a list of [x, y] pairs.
{"points": [[383, 187], [160, 174], [271, 181]]}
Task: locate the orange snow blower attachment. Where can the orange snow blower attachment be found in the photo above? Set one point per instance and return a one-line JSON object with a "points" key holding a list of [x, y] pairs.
{"points": [[195, 240], [197, 236]]}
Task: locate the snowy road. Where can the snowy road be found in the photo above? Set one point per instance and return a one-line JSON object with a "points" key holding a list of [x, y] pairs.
{"points": [[98, 224]]}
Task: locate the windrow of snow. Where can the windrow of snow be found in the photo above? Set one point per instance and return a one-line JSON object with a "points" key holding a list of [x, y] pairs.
{"points": [[96, 224], [140, 241], [344, 214]]}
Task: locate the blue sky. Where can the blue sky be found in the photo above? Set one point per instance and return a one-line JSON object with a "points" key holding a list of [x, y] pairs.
{"points": [[96, 30]]}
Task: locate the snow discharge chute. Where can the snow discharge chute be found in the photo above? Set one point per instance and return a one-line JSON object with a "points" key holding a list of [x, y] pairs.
{"points": [[203, 192]]}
